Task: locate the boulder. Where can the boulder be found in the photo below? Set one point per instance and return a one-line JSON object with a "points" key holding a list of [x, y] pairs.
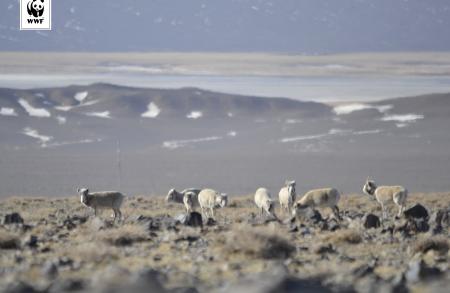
{"points": [[13, 218], [67, 285], [31, 241], [416, 212], [275, 280], [194, 219], [210, 222], [371, 221], [50, 270], [418, 271], [440, 220], [19, 287]]}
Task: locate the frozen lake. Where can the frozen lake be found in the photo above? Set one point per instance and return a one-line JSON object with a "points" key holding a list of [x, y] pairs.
{"points": [[323, 89]]}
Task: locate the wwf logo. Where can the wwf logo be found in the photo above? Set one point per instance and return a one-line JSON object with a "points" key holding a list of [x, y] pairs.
{"points": [[35, 8]]}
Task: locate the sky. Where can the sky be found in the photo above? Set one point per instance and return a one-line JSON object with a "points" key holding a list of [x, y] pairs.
{"points": [[290, 26]]}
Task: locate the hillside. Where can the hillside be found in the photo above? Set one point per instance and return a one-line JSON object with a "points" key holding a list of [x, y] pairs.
{"points": [[146, 140]]}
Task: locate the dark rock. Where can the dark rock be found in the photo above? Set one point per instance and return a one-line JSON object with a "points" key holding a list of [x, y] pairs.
{"points": [[139, 218], [352, 214], [19, 287], [440, 220], [412, 226], [65, 262], [416, 212], [184, 290], [13, 218], [323, 249], [31, 242], [193, 219], [365, 270], [188, 238], [418, 271], [276, 281], [123, 241], [292, 228], [69, 225], [77, 219], [147, 280], [50, 270], [18, 258], [67, 285], [9, 242], [323, 226], [150, 274], [344, 257], [210, 222], [371, 221], [290, 220], [313, 216], [389, 229], [333, 225], [159, 223], [399, 284], [417, 225], [46, 249]]}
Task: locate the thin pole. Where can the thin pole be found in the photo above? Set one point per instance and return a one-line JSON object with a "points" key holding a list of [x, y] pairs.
{"points": [[119, 165]]}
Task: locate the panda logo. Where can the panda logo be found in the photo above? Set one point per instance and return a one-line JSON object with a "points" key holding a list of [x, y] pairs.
{"points": [[35, 8]]}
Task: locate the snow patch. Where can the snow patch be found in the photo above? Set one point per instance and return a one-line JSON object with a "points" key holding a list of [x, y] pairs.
{"points": [[367, 132], [8, 112], [61, 119], [32, 111], [331, 132], [35, 134], [293, 121], [229, 114], [104, 114], [232, 133], [194, 115], [81, 96], [350, 108], [403, 118], [64, 108], [152, 111], [65, 143], [401, 125], [337, 131], [304, 137], [174, 144], [68, 108]]}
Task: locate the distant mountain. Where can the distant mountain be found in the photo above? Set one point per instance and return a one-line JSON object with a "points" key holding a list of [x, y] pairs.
{"points": [[144, 140], [302, 26], [128, 102]]}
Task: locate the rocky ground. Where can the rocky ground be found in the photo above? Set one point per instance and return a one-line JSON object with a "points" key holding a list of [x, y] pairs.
{"points": [[57, 245]]}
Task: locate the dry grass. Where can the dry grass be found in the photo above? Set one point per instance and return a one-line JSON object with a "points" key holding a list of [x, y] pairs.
{"points": [[90, 252], [9, 240], [437, 243], [258, 242], [222, 253], [123, 235], [348, 236]]}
